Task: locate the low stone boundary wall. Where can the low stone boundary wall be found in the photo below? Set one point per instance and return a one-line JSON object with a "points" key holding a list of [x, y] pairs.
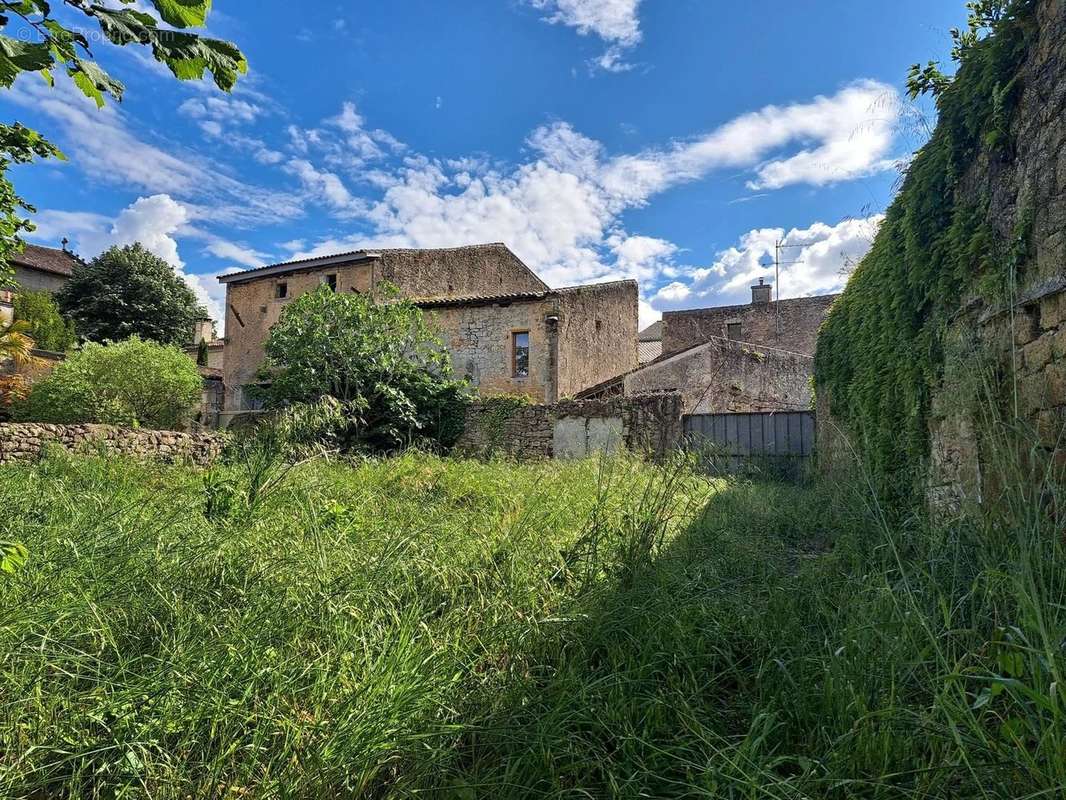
{"points": [[25, 441], [648, 424]]}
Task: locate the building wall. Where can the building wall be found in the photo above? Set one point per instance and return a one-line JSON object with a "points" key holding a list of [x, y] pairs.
{"points": [[252, 308], [724, 376], [490, 269], [788, 325], [650, 425], [597, 334], [479, 338], [37, 280]]}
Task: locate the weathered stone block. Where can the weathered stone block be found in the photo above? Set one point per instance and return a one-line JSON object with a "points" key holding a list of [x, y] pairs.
{"points": [[1038, 352], [1053, 311]]}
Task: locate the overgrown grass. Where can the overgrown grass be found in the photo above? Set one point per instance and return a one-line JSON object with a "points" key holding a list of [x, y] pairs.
{"points": [[451, 629]]}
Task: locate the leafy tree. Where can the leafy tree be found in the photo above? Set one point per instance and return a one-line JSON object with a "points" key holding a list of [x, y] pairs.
{"points": [[135, 383], [128, 291], [45, 325], [44, 45], [381, 361]]}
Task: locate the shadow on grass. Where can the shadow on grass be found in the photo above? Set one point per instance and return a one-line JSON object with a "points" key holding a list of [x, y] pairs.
{"points": [[786, 644]]}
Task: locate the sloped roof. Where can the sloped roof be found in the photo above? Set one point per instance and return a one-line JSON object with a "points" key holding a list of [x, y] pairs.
{"points": [[653, 333], [46, 259], [649, 350], [477, 299]]}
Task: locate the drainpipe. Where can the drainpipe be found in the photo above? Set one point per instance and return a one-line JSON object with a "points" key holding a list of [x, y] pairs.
{"points": [[551, 327]]}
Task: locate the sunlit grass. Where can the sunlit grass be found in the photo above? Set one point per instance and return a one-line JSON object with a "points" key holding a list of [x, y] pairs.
{"points": [[456, 629]]}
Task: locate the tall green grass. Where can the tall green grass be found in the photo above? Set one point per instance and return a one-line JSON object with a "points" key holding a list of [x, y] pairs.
{"points": [[441, 628]]}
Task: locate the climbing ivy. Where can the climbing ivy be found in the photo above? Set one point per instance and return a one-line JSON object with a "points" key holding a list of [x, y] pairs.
{"points": [[880, 352]]}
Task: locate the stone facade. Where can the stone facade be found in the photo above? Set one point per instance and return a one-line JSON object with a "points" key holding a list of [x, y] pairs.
{"points": [[724, 376], [790, 325], [478, 296], [26, 441], [650, 425]]}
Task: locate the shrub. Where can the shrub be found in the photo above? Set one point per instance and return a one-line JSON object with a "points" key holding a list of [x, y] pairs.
{"points": [[135, 382], [381, 361], [45, 325]]}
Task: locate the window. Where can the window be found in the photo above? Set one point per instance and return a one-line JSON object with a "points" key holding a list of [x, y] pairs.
{"points": [[732, 331], [281, 290], [331, 281], [251, 397], [520, 354]]}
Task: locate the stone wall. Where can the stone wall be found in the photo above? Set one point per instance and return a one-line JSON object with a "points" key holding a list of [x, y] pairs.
{"points": [[650, 425], [787, 325], [598, 328], [479, 338], [723, 376], [25, 442]]}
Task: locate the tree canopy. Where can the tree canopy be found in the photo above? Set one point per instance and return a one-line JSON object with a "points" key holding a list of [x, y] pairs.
{"points": [[45, 45], [381, 360], [128, 291]]}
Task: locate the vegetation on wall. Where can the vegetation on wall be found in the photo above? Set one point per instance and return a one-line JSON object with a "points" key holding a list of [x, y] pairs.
{"points": [[380, 360], [880, 352], [135, 383]]}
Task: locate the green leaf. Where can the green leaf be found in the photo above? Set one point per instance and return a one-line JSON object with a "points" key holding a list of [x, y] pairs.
{"points": [[17, 57], [183, 13], [94, 82]]}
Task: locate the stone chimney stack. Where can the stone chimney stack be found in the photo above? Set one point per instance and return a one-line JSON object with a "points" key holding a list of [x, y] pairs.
{"points": [[203, 330], [762, 292]]}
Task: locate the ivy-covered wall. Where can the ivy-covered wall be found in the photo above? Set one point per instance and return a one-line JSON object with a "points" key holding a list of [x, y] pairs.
{"points": [[975, 239]]}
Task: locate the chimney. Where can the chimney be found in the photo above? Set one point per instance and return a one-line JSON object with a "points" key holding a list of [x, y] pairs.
{"points": [[762, 292], [203, 330]]}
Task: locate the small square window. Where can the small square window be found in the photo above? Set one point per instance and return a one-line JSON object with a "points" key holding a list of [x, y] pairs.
{"points": [[520, 354], [331, 282], [733, 331], [281, 290]]}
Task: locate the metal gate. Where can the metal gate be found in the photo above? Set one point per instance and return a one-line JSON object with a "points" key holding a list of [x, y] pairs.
{"points": [[775, 442]]}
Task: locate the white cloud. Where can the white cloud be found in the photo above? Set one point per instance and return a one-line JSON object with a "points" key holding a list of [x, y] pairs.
{"points": [[815, 260], [673, 292], [852, 133], [326, 187], [101, 144], [561, 211], [615, 21], [155, 222]]}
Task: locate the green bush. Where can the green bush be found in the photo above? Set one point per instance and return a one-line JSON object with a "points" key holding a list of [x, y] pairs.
{"points": [[134, 383], [47, 327], [380, 360]]}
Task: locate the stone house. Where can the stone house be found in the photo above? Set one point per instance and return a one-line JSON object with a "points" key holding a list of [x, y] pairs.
{"points": [[731, 359], [37, 268], [506, 330]]}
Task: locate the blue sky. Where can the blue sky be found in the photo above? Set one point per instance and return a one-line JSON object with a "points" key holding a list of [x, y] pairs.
{"points": [[673, 141]]}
